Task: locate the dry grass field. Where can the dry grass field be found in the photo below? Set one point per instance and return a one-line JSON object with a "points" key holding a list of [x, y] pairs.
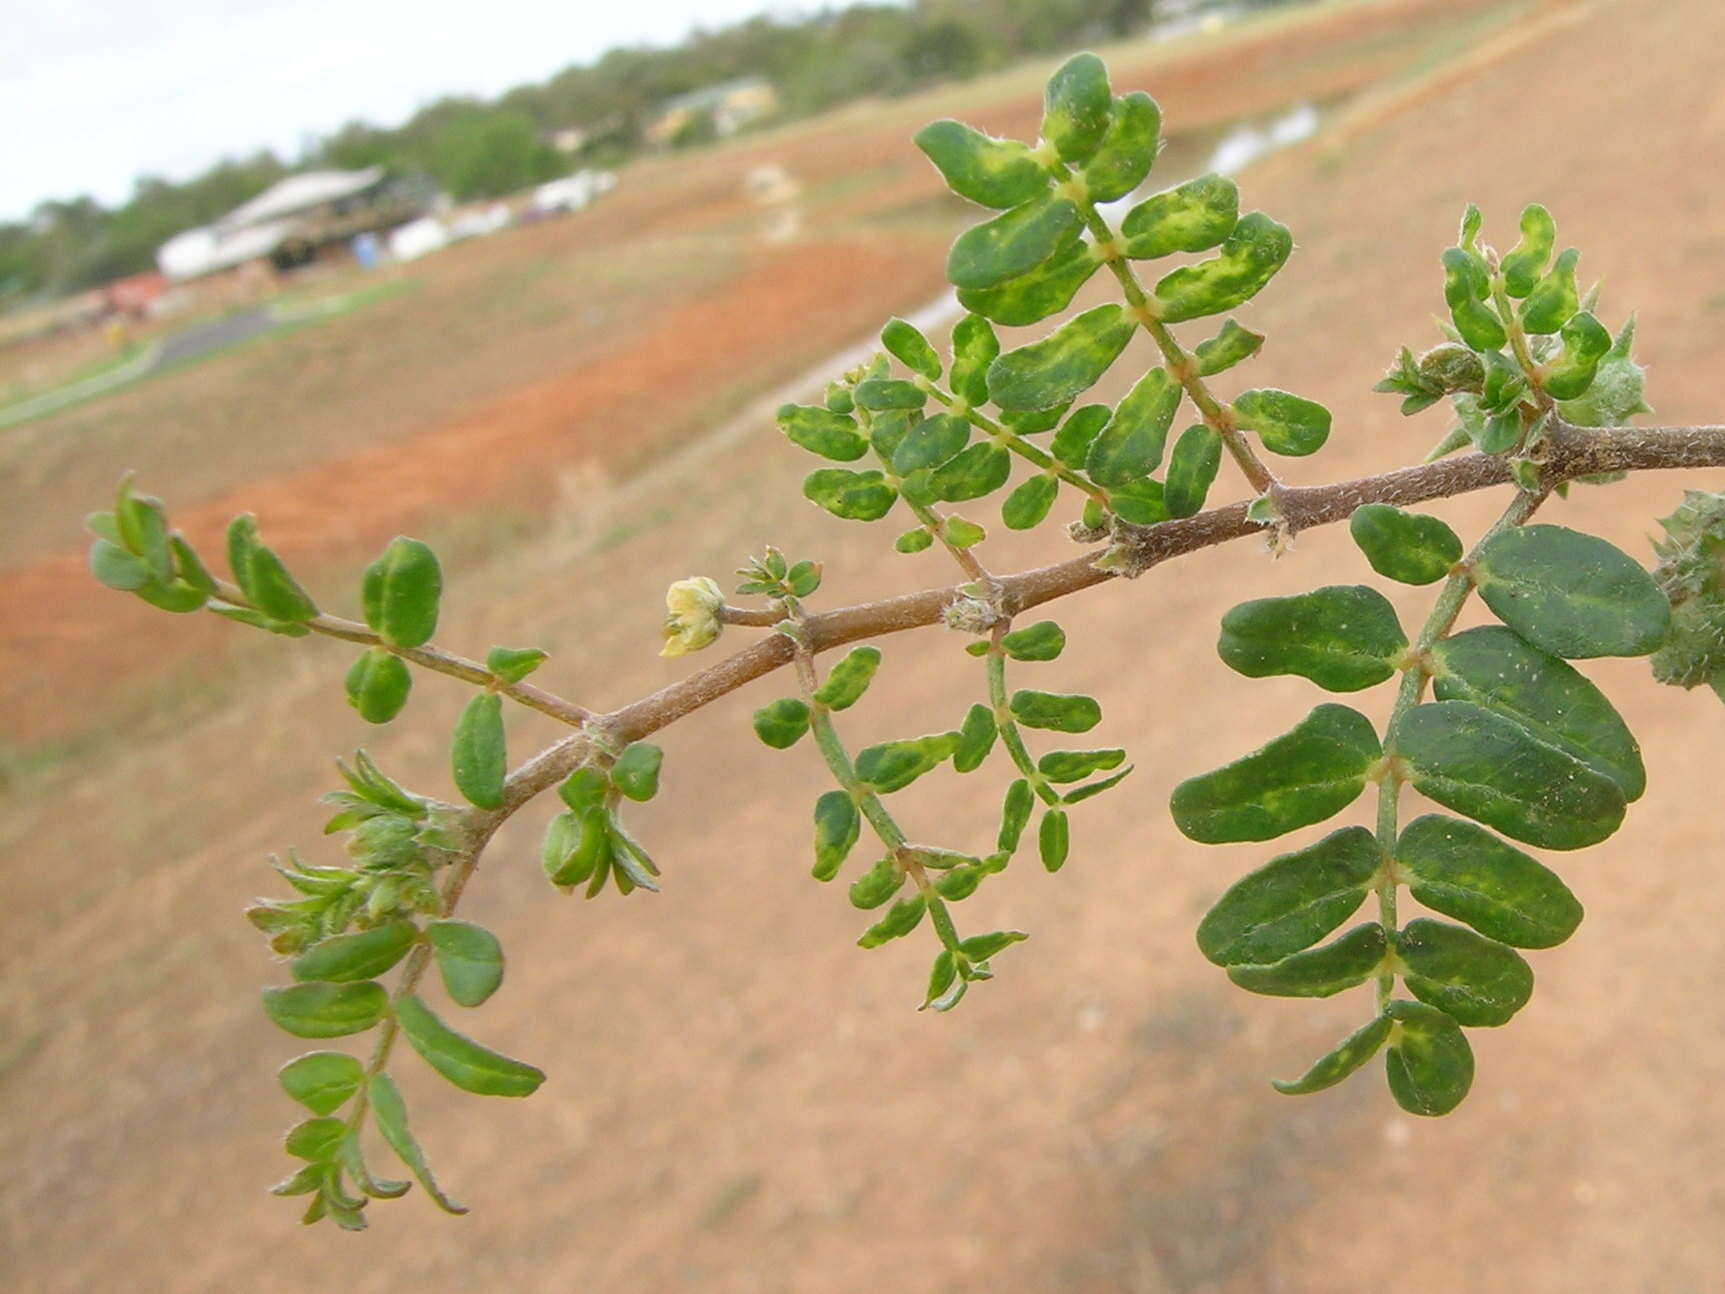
{"points": [[741, 1100]]}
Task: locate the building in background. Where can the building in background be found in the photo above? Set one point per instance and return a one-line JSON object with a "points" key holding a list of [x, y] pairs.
{"points": [[295, 221], [716, 111]]}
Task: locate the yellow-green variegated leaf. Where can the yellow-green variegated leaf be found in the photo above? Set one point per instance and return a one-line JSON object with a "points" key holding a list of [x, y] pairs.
{"points": [[1351, 1053], [1130, 446], [1292, 901], [1248, 259], [1571, 594], [1477, 981], [1127, 150], [1429, 1064], [1308, 774], [1287, 424], [1191, 217], [1036, 295], [1465, 872], [1482, 764], [1013, 243], [1077, 108], [1497, 668], [1060, 366], [1344, 637], [991, 172], [1342, 964]]}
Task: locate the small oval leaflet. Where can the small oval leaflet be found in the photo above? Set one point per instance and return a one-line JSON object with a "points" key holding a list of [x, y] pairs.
{"points": [[1130, 446], [1249, 258], [1192, 470], [479, 758], [850, 678], [980, 469], [1349, 1055], [1060, 712], [894, 765], [315, 1139], [1475, 980], [1013, 243], [1071, 444], [886, 394], [1032, 297], [1192, 217], [1571, 594], [322, 1010], [1054, 839], [1429, 1064], [322, 1081], [1490, 768], [401, 591], [1076, 765], [875, 886], [1465, 872], [1128, 149], [1287, 424], [1068, 361], [1014, 815], [1314, 770], [975, 739], [782, 723], [378, 685], [365, 954], [1554, 298], [467, 1064], [277, 594], [974, 347], [1029, 503], [821, 431], [852, 496], [1077, 107], [1231, 346], [837, 826], [900, 919], [931, 442], [469, 959], [1525, 262], [1292, 901], [1495, 667], [1404, 546], [1042, 641], [1319, 972], [990, 172], [636, 772], [907, 345], [1344, 637]]}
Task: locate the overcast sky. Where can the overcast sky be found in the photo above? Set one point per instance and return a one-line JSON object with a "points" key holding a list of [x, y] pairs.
{"points": [[94, 93]]}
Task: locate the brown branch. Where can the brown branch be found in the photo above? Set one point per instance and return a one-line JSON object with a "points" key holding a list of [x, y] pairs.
{"points": [[1569, 452]]}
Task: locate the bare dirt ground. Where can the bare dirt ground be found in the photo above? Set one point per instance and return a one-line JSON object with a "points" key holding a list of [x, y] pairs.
{"points": [[740, 1099]]}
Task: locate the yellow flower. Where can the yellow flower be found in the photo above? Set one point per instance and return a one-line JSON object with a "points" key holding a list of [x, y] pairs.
{"points": [[692, 615]]}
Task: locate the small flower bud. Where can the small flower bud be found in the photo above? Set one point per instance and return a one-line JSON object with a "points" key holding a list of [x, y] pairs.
{"points": [[691, 615]]}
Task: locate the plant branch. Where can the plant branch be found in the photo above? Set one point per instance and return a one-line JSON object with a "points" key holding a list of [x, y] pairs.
{"points": [[1570, 452]]}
